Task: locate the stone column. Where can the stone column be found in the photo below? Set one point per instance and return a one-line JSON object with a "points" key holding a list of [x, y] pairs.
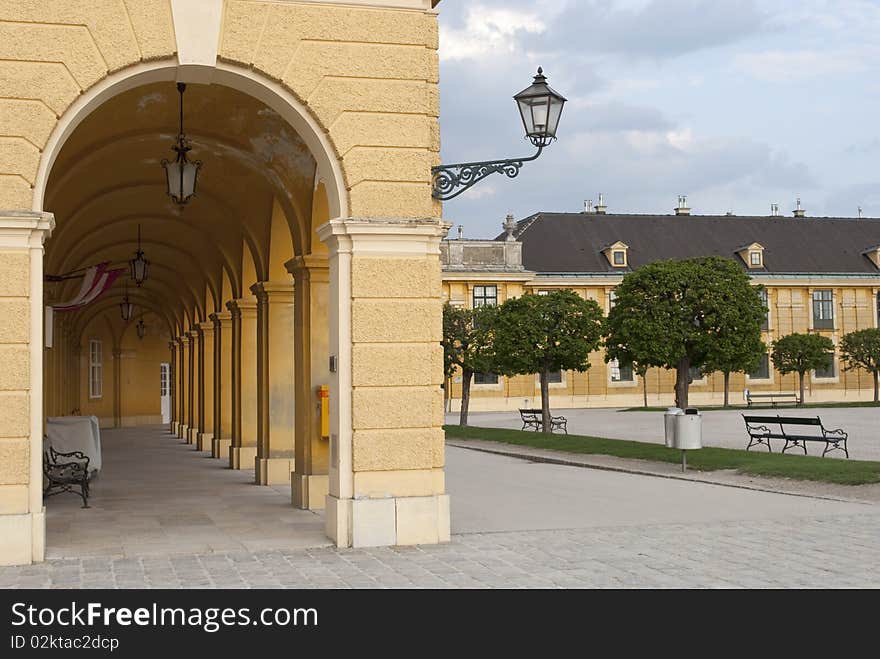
{"points": [[243, 452], [117, 387], [172, 374], [223, 381], [22, 515], [387, 481], [310, 483], [196, 384], [183, 351], [275, 405], [206, 399]]}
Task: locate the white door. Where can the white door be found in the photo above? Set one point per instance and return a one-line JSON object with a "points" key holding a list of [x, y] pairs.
{"points": [[165, 392]]}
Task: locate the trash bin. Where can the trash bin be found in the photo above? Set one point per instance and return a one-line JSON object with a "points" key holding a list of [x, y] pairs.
{"points": [[669, 424], [688, 430]]}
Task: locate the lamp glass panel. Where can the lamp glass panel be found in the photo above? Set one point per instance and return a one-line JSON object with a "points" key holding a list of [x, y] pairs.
{"points": [[554, 114], [188, 174]]}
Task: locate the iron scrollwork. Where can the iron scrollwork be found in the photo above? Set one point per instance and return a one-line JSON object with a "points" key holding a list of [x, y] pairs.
{"points": [[449, 181]]}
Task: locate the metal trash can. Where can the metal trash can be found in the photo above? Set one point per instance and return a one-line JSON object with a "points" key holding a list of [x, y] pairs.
{"points": [[669, 424], [688, 430]]}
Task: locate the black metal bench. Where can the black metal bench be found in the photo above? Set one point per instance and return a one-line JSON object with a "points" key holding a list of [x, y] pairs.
{"points": [[66, 471], [773, 398], [759, 431], [534, 419]]}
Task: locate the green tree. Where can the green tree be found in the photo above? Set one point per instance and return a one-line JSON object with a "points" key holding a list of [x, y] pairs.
{"points": [[545, 333], [671, 314], [466, 347], [616, 352], [799, 353], [735, 351], [861, 349]]}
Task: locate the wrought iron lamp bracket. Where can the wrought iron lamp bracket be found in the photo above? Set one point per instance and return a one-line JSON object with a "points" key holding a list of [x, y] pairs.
{"points": [[449, 181]]}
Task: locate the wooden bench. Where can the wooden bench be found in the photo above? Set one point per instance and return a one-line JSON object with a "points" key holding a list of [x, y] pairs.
{"points": [[66, 471], [772, 398], [792, 430], [534, 419]]}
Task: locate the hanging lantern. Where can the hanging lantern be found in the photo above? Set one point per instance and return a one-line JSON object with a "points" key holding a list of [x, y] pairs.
{"points": [[541, 108], [126, 308], [141, 329], [181, 174], [139, 265]]}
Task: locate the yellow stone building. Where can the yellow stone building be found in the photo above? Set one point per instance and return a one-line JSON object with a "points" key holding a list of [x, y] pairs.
{"points": [[820, 275], [308, 257]]}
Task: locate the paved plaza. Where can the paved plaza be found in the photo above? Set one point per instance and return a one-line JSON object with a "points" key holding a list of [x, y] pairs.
{"points": [[166, 516], [722, 428]]}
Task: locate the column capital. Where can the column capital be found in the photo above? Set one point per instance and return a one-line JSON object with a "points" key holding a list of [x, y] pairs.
{"points": [[206, 328], [220, 317], [266, 290], [384, 237], [24, 229], [310, 267], [182, 340], [242, 306], [172, 345]]}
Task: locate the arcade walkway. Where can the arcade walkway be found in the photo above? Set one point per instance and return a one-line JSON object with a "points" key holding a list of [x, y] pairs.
{"points": [[157, 496]]}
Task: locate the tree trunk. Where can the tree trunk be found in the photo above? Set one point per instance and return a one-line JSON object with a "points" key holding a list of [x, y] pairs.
{"points": [[801, 379], [726, 388], [877, 386], [682, 375], [466, 376], [545, 399], [645, 388]]}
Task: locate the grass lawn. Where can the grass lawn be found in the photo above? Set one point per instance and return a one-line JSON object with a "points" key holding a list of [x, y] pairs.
{"points": [[742, 408], [798, 467]]}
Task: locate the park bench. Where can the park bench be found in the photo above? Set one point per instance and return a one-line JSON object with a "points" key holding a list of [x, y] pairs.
{"points": [[793, 431], [772, 398], [66, 471], [534, 419]]}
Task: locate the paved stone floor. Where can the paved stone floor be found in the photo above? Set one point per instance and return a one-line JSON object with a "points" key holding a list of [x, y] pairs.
{"points": [[516, 524], [722, 428]]}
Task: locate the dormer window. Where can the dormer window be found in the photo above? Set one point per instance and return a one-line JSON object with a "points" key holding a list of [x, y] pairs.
{"points": [[874, 255], [617, 254], [752, 255]]}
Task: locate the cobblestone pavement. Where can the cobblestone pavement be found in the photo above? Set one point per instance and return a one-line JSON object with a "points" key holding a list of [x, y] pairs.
{"points": [[817, 552]]}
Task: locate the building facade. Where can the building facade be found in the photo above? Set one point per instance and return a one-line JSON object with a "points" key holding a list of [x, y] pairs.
{"points": [[819, 275], [308, 257]]}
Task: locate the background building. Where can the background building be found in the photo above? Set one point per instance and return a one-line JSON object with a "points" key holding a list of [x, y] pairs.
{"points": [[819, 274]]}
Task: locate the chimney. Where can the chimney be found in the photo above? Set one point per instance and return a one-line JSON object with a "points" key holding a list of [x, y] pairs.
{"points": [[460, 231], [799, 212], [774, 210], [509, 226], [682, 206], [860, 212], [588, 206], [601, 207]]}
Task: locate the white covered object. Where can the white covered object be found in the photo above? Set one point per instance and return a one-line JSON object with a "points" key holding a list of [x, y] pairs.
{"points": [[76, 433]]}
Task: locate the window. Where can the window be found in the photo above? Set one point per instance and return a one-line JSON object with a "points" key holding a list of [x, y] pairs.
{"points": [[620, 373], [619, 257], [485, 378], [829, 371], [878, 309], [555, 377], [164, 370], [755, 258], [544, 292], [762, 372], [612, 298], [696, 373], [766, 325], [96, 370], [485, 296], [823, 309]]}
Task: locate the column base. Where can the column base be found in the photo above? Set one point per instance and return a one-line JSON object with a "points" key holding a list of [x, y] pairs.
{"points": [[273, 471], [309, 491], [174, 425], [242, 457], [220, 448], [388, 522], [23, 538], [192, 435], [181, 430], [203, 441]]}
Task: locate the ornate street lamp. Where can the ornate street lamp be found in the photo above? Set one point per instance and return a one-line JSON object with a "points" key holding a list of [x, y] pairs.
{"points": [[540, 108], [141, 329], [126, 308], [181, 174], [139, 266]]}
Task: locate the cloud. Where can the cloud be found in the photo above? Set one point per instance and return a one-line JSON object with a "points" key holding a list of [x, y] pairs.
{"points": [[488, 31], [798, 65]]}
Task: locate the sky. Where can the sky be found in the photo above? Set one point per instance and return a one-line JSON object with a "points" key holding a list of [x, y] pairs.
{"points": [[735, 103]]}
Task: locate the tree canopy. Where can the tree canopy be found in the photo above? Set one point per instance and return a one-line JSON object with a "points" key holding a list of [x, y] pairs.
{"points": [[799, 353], [683, 314], [861, 349], [466, 346], [545, 333]]}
